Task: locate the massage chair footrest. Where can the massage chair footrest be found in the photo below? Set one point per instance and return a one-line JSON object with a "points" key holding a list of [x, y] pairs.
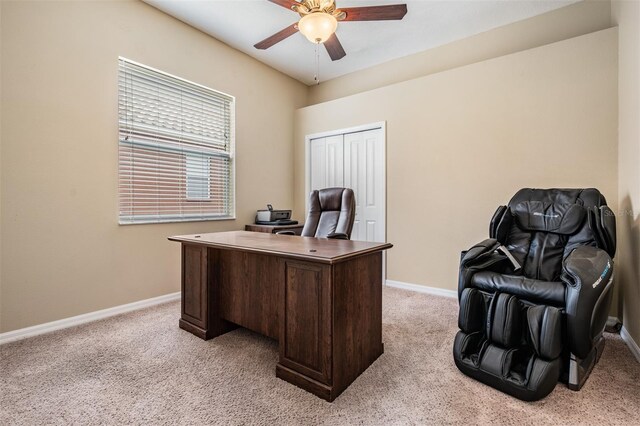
{"points": [[508, 344], [535, 385]]}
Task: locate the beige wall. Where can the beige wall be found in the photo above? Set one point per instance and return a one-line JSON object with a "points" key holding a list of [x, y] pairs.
{"points": [[67, 255], [463, 141], [626, 14], [577, 19], [58, 77], [0, 163], [1, 202]]}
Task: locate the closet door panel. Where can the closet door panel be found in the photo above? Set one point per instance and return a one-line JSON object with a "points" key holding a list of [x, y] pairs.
{"points": [[373, 205], [335, 162], [355, 168], [318, 164]]}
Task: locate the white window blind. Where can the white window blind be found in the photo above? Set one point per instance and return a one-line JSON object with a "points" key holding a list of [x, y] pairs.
{"points": [[176, 148]]}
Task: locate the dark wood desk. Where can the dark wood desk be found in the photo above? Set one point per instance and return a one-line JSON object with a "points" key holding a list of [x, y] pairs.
{"points": [[321, 299]]}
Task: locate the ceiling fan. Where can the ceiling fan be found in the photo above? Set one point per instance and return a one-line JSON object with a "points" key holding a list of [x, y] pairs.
{"points": [[319, 20]]}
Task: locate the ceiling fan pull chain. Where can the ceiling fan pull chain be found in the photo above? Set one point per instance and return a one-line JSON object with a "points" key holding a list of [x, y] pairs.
{"points": [[317, 76]]}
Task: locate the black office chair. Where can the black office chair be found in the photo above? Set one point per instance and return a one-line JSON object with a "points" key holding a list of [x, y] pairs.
{"points": [[331, 214], [534, 298]]}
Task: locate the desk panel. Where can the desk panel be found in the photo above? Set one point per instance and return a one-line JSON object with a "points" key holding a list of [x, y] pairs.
{"points": [[249, 286], [305, 328], [194, 285]]}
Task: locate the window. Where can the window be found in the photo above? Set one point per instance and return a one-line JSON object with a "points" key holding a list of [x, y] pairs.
{"points": [[176, 148], [198, 177]]}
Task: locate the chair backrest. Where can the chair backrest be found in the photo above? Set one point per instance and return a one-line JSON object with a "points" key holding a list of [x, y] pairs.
{"points": [[540, 227], [330, 210]]}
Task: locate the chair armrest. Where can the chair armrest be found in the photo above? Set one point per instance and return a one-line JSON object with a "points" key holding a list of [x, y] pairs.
{"points": [[587, 273], [338, 236], [285, 233], [481, 257], [479, 251]]}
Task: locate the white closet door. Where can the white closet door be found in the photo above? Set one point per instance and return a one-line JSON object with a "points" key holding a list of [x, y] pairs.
{"points": [[364, 173], [327, 162], [355, 178], [335, 162], [318, 172], [354, 160]]}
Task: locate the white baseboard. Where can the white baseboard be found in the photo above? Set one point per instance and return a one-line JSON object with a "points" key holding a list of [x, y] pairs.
{"points": [[633, 346], [422, 288], [23, 333]]}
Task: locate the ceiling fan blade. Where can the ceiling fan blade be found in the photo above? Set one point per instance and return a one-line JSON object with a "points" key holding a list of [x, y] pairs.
{"points": [[334, 48], [375, 13], [277, 37], [288, 4]]}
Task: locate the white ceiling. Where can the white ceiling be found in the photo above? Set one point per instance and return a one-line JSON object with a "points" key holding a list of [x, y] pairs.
{"points": [[427, 24]]}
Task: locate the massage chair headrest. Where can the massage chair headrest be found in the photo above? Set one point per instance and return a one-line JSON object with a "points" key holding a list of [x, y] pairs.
{"points": [[556, 218], [589, 197], [559, 211]]}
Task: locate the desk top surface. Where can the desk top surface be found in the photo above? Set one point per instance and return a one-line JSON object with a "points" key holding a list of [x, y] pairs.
{"points": [[321, 250]]}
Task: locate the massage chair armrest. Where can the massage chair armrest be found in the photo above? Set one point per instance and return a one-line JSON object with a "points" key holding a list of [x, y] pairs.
{"points": [[479, 251], [587, 273], [481, 257], [338, 236], [285, 233]]}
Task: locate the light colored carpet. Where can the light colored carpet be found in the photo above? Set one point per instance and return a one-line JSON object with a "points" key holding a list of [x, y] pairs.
{"points": [[139, 368]]}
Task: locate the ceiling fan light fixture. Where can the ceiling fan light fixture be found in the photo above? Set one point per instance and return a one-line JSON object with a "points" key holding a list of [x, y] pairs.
{"points": [[317, 27]]}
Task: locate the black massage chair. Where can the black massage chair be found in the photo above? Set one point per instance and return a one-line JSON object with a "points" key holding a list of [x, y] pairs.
{"points": [[534, 298]]}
